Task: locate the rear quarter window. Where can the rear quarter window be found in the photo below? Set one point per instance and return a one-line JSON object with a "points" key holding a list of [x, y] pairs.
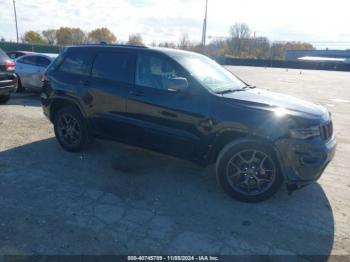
{"points": [[76, 62], [112, 66], [43, 61]]}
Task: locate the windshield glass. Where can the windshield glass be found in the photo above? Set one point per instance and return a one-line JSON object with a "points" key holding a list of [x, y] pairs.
{"points": [[213, 76]]}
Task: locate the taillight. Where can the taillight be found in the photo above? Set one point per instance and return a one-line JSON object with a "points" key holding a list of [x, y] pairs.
{"points": [[42, 77], [10, 65]]}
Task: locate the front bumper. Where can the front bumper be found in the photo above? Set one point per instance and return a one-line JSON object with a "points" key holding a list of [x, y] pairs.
{"points": [[303, 161]]}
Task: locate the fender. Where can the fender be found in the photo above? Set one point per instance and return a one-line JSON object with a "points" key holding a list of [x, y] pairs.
{"points": [[60, 98]]}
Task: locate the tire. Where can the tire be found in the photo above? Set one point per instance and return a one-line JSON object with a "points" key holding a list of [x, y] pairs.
{"points": [[71, 129], [4, 98], [19, 88], [248, 171]]}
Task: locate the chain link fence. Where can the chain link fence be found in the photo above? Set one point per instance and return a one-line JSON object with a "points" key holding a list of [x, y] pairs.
{"points": [[11, 46]]}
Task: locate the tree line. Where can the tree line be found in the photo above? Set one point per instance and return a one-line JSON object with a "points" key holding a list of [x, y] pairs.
{"points": [[241, 43], [68, 36]]}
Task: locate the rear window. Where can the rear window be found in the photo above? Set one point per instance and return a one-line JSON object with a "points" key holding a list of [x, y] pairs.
{"points": [[76, 62], [112, 66], [12, 55]]}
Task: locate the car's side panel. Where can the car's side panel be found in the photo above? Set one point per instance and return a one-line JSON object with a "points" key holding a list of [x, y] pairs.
{"points": [[30, 73], [107, 106], [68, 86], [22, 70]]}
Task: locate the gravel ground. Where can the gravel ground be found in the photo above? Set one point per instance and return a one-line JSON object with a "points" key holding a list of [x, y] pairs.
{"points": [[116, 199]]}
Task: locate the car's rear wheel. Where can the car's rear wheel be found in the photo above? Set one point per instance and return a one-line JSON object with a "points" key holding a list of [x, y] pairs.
{"points": [[19, 88], [71, 129], [4, 98], [248, 171]]}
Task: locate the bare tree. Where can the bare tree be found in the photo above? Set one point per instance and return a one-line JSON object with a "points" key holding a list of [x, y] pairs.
{"points": [[184, 42], [238, 43], [135, 39], [240, 31], [50, 36]]}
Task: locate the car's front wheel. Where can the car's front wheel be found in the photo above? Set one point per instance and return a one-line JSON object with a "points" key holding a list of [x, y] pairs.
{"points": [[4, 99], [71, 129], [248, 171]]}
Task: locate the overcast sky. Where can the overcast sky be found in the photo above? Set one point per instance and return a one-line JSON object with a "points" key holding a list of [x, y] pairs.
{"points": [[165, 20]]}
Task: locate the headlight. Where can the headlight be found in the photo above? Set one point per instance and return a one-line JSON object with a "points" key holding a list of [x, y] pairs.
{"points": [[305, 133]]}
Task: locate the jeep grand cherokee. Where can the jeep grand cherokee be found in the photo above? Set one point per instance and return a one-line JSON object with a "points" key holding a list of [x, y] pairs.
{"points": [[186, 105]]}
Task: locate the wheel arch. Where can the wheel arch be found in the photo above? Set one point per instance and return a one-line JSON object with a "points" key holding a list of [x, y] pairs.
{"points": [[229, 138], [60, 102]]}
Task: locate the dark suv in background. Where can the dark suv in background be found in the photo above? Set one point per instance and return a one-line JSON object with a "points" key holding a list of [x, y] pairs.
{"points": [[8, 79], [186, 105]]}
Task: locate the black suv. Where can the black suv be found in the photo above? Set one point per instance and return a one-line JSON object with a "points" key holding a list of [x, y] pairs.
{"points": [[186, 105], [8, 79]]}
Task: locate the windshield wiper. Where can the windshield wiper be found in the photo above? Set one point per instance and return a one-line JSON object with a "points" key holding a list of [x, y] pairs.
{"points": [[249, 86], [226, 91]]}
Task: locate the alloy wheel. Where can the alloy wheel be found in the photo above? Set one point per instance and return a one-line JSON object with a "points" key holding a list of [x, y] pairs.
{"points": [[69, 130], [251, 172]]}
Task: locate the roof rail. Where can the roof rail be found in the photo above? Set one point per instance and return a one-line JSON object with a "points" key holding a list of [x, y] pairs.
{"points": [[118, 45]]}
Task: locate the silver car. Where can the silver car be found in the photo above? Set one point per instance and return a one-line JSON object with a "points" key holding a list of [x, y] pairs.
{"points": [[29, 69]]}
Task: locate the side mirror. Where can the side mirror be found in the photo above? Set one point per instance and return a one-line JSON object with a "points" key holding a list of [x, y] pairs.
{"points": [[177, 84]]}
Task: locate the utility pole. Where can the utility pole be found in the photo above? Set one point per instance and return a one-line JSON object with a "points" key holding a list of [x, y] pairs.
{"points": [[204, 34], [14, 8]]}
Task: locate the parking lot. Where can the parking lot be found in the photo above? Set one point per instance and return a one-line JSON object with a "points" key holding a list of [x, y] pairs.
{"points": [[116, 199]]}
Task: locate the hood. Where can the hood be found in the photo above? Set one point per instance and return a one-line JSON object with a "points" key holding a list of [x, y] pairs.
{"points": [[259, 98]]}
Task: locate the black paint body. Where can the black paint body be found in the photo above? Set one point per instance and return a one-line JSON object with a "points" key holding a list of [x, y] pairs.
{"points": [[193, 125]]}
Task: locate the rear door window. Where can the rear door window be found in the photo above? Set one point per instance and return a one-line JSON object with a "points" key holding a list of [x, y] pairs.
{"points": [[77, 61], [29, 60], [112, 66]]}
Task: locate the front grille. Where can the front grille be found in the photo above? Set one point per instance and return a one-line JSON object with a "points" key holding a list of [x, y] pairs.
{"points": [[326, 130]]}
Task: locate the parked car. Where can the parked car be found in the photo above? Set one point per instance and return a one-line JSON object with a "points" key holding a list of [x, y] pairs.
{"points": [[15, 54], [186, 105], [8, 78], [30, 69]]}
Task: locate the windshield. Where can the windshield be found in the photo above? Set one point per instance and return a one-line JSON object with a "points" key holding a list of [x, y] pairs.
{"points": [[213, 76]]}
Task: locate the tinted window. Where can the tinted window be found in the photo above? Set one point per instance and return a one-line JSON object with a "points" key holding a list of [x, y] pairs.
{"points": [[154, 72], [43, 61], [112, 66], [29, 60], [3, 55], [76, 62], [12, 55]]}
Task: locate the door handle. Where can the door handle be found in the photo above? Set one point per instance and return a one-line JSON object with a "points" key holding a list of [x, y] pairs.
{"points": [[136, 93]]}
